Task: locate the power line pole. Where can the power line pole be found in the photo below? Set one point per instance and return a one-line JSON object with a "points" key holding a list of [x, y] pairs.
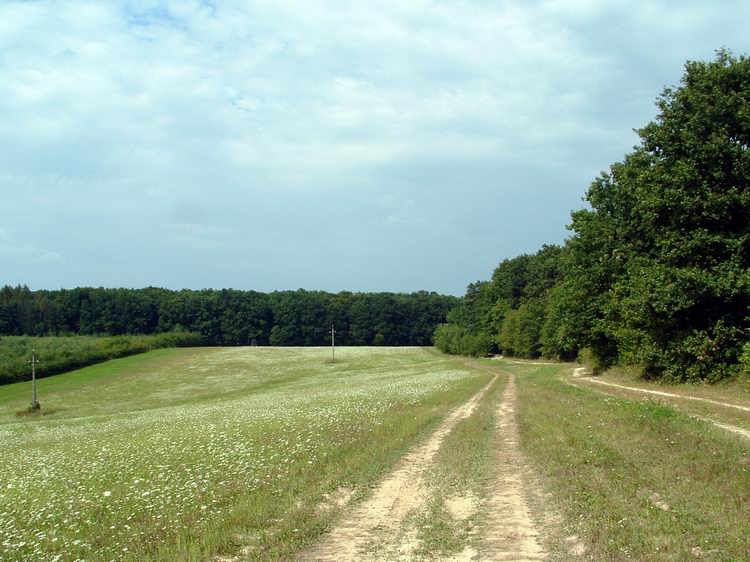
{"points": [[333, 343], [34, 361]]}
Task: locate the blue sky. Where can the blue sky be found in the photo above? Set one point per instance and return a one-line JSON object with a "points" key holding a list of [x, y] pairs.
{"points": [[364, 146]]}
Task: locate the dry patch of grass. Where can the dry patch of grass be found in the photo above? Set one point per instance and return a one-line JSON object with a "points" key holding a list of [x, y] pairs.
{"points": [[36, 412]]}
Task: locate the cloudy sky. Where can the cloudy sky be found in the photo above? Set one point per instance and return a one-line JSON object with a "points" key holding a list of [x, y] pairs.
{"points": [[368, 146]]}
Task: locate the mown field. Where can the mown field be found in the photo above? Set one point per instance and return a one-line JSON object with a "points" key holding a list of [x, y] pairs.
{"points": [[181, 454], [255, 453]]}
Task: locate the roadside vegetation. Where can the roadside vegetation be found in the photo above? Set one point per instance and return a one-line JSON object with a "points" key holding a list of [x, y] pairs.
{"points": [[183, 454], [61, 354], [726, 402], [657, 270], [635, 479]]}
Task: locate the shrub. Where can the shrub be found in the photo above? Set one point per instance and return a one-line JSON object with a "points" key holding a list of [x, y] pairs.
{"points": [[456, 340], [66, 353], [745, 362]]}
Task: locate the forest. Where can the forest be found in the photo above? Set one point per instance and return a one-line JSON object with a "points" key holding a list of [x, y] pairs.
{"points": [[656, 273], [227, 316]]}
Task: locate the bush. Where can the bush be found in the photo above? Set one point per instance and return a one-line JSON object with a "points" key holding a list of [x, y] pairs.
{"points": [[593, 363], [66, 353], [586, 358], [456, 340], [708, 355], [745, 362]]}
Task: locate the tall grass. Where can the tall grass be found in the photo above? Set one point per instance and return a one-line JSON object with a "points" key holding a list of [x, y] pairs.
{"points": [[60, 354]]}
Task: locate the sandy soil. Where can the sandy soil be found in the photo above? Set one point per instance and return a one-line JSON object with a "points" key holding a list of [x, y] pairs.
{"points": [[375, 530], [511, 534]]}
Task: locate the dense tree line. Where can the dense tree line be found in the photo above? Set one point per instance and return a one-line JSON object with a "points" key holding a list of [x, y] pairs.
{"points": [[228, 317], [657, 271]]}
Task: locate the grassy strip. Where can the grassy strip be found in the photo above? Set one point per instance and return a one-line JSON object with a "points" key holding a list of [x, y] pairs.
{"points": [[90, 390], [733, 391], [636, 480], [232, 453], [715, 412], [60, 354], [730, 392], [459, 478]]}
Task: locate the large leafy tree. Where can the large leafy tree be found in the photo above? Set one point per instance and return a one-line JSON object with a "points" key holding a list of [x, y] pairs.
{"points": [[657, 272], [663, 253]]}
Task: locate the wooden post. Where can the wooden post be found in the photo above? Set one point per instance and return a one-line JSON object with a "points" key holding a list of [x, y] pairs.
{"points": [[34, 361]]}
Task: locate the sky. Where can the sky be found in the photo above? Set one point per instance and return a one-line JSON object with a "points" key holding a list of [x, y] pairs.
{"points": [[364, 146]]}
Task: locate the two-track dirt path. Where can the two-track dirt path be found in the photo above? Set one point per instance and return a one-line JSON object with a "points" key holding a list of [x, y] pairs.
{"points": [[511, 533], [373, 530], [377, 529]]}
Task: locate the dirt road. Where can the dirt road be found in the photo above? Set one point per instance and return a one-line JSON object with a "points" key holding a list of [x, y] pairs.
{"points": [[511, 533], [382, 528], [374, 530]]}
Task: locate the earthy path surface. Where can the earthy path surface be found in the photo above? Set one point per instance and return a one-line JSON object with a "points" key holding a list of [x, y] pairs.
{"points": [[373, 531], [727, 427], [578, 374], [511, 533], [668, 394]]}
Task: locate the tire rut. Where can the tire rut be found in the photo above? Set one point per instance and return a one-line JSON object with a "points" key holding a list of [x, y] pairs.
{"points": [[373, 530], [510, 532]]}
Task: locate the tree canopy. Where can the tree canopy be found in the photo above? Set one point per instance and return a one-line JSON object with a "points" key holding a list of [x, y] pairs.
{"points": [[227, 316], [657, 271]]}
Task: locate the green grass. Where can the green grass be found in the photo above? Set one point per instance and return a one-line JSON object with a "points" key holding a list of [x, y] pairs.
{"points": [[61, 354], [636, 480], [77, 393], [183, 454], [730, 392]]}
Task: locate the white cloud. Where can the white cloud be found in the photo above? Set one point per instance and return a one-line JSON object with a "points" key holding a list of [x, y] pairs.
{"points": [[208, 121]]}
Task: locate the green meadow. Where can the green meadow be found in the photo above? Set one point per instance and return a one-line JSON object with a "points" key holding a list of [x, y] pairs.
{"points": [[634, 478], [180, 454], [60, 354], [241, 454]]}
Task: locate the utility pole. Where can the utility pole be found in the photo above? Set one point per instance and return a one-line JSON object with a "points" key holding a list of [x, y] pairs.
{"points": [[34, 361], [333, 343]]}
